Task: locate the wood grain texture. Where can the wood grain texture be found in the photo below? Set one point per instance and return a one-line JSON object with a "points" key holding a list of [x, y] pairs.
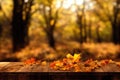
{"points": [[41, 68], [109, 68], [21, 67], [3, 64], [11, 67]]}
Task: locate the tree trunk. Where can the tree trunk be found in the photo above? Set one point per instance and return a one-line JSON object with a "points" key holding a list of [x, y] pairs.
{"points": [[50, 36], [119, 31], [115, 23], [85, 30], [114, 33], [118, 20], [81, 35], [0, 30], [19, 30], [98, 35], [80, 25], [81, 21], [89, 31]]}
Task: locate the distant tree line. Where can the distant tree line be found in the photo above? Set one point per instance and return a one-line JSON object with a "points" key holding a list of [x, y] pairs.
{"points": [[22, 15]]}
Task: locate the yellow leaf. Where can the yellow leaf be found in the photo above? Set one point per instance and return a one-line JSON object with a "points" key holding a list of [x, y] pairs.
{"points": [[77, 56], [69, 56]]}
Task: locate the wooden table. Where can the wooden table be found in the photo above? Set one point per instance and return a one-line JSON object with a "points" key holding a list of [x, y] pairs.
{"points": [[19, 71], [21, 67]]}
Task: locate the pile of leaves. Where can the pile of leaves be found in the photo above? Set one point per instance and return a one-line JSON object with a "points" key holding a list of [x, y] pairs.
{"points": [[75, 64]]}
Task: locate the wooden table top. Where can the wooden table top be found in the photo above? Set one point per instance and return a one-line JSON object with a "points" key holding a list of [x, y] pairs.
{"points": [[21, 67]]}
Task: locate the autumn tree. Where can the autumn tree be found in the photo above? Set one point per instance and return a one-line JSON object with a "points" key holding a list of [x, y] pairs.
{"points": [[109, 10], [89, 30], [49, 13], [81, 21], [0, 30], [0, 23], [98, 34], [20, 23], [115, 22]]}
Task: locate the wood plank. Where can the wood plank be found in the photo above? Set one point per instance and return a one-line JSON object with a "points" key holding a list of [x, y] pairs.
{"points": [[98, 70], [20, 67], [12, 67], [112, 67], [115, 68], [3, 64], [41, 68], [34, 68], [26, 68], [107, 68]]}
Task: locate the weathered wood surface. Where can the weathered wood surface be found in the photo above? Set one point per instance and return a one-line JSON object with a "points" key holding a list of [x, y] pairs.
{"points": [[109, 68], [20, 71], [21, 67]]}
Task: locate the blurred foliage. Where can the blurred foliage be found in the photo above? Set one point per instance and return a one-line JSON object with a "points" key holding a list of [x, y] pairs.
{"points": [[97, 14]]}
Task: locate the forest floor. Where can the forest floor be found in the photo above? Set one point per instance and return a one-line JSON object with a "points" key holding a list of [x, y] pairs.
{"points": [[41, 50]]}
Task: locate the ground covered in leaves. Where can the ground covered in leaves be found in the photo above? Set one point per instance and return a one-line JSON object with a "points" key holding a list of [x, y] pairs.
{"points": [[42, 51], [96, 51]]}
